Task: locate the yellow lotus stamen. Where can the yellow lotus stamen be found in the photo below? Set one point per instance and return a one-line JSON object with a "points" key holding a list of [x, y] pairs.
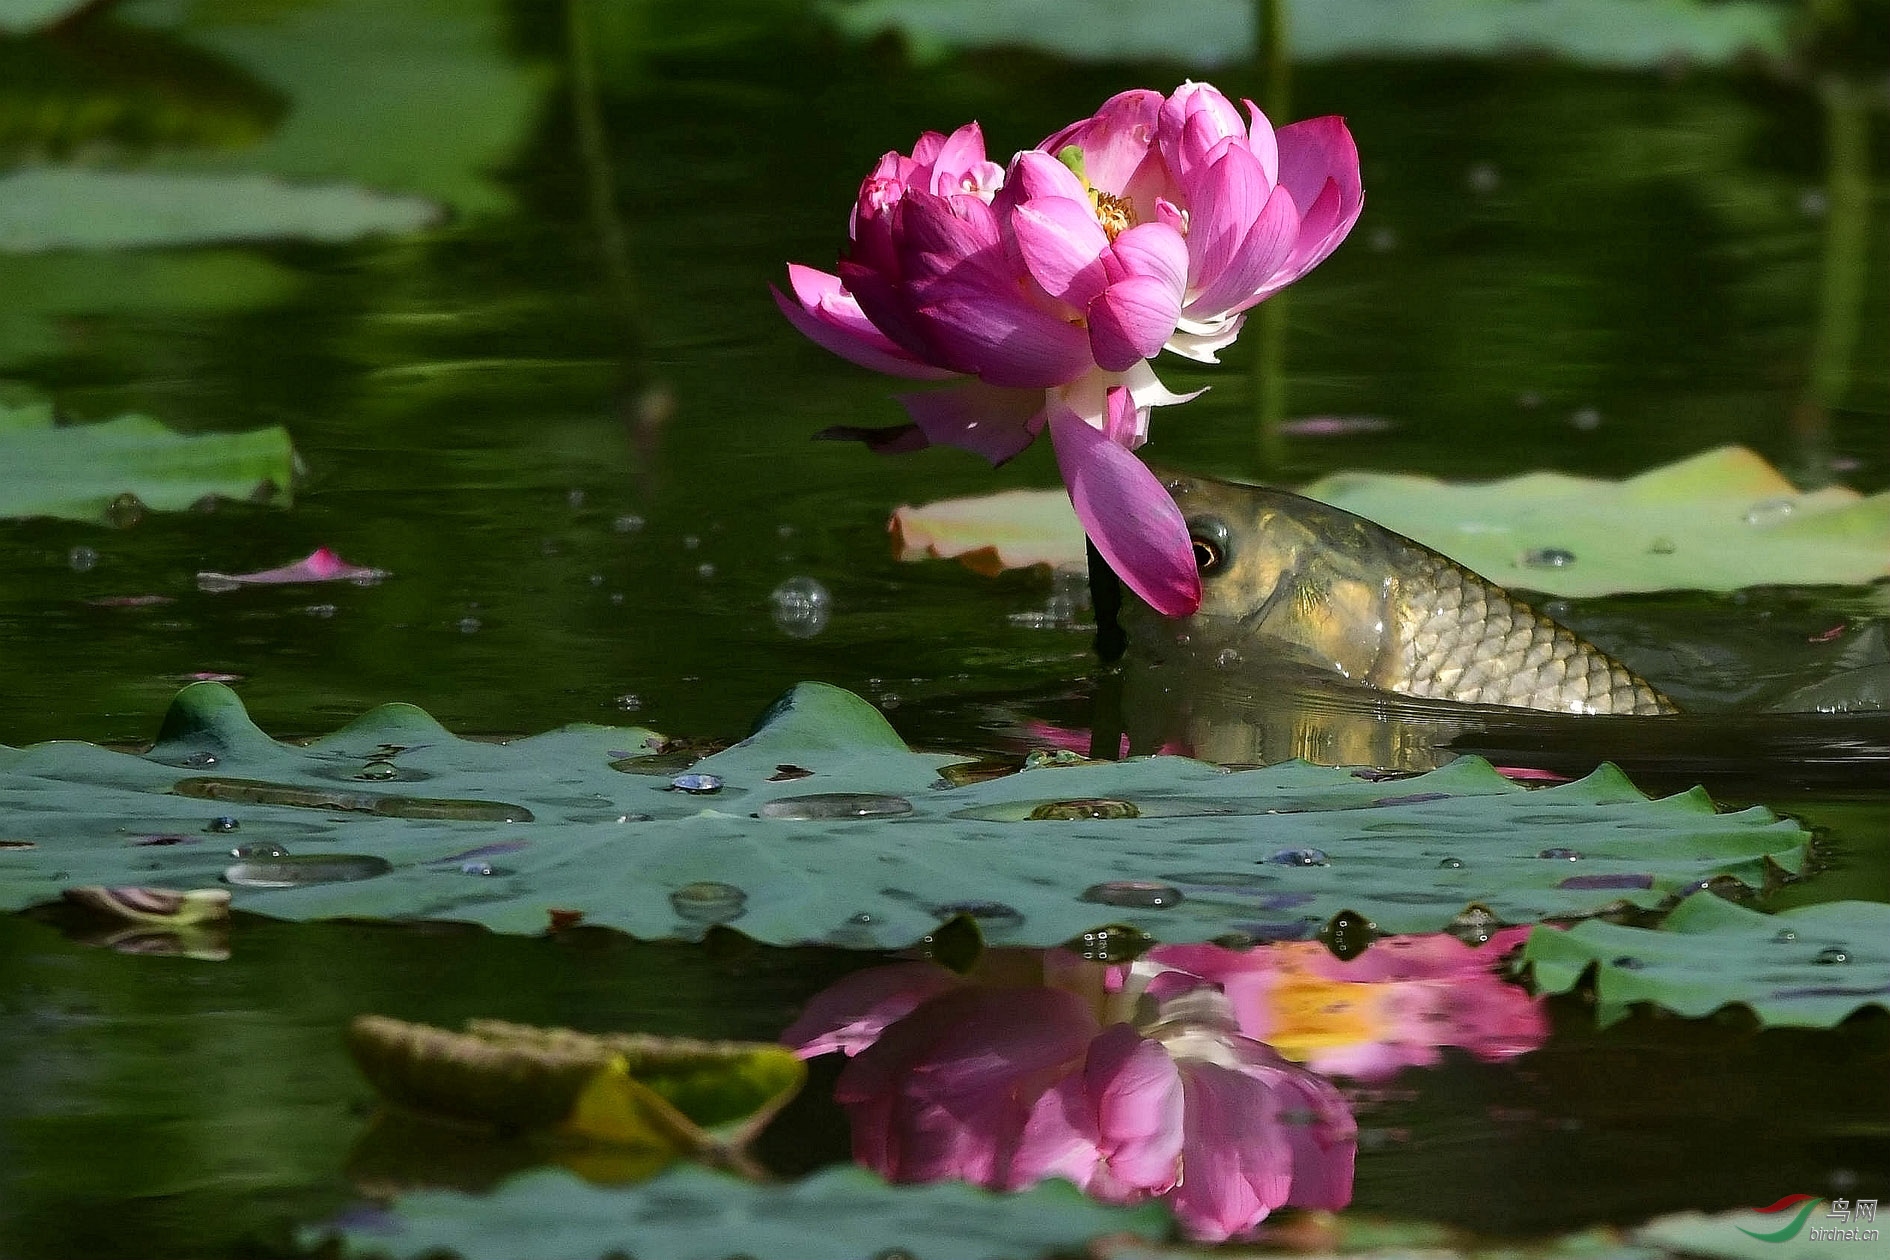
{"points": [[1114, 213]]}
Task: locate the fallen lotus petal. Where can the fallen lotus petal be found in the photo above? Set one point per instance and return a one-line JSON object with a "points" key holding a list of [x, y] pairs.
{"points": [[161, 907], [321, 565]]}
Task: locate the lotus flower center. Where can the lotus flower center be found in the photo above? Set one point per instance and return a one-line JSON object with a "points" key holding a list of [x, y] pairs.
{"points": [[1114, 213]]}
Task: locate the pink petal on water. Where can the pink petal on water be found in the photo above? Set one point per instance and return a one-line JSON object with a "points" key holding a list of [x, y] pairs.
{"points": [[321, 565]]}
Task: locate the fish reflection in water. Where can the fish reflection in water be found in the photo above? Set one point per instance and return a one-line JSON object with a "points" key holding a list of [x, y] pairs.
{"points": [[1327, 638]]}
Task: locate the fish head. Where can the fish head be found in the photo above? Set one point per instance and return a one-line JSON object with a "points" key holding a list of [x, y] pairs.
{"points": [[1283, 576]]}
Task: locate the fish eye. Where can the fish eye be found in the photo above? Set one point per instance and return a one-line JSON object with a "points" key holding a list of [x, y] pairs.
{"points": [[1208, 538]]}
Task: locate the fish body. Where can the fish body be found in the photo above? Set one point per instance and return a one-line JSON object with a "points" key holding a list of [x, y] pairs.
{"points": [[1286, 577]]}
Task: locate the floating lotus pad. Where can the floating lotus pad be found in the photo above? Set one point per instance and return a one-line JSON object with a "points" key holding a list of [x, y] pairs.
{"points": [[77, 471], [690, 1212], [1175, 848], [1719, 521], [1808, 967]]}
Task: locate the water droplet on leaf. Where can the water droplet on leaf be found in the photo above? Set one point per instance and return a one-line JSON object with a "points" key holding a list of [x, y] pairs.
{"points": [[709, 901], [1092, 808], [1140, 893], [1300, 857], [293, 871], [1560, 855], [697, 784], [376, 771], [1450, 864], [222, 823], [1831, 955], [827, 805], [260, 851], [1628, 962], [1548, 558], [1769, 511]]}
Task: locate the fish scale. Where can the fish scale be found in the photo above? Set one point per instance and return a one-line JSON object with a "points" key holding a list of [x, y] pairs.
{"points": [[1288, 579], [1460, 638]]}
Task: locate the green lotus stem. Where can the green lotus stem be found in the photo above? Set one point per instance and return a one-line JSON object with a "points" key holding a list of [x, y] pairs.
{"points": [[1105, 598], [1846, 230]]}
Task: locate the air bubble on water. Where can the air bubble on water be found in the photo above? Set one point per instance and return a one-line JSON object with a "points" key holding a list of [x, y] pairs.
{"points": [[1226, 658], [469, 625], [574, 498], [82, 559], [705, 570], [125, 511], [1560, 855], [1832, 954], [1382, 240], [596, 579], [801, 607], [1770, 511], [320, 611], [691, 541], [1300, 857], [628, 523], [629, 702], [1483, 177], [1587, 419], [1813, 204], [784, 531], [616, 599], [1140, 894], [708, 901], [889, 701], [1548, 558]]}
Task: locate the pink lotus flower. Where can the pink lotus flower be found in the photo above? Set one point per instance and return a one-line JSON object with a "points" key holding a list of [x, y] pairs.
{"points": [[1006, 1086], [1051, 284], [1394, 1006]]}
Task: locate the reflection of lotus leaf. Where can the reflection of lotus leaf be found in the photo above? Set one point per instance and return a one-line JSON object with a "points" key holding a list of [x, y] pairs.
{"points": [[1810, 967], [76, 471], [841, 1214], [621, 847]]}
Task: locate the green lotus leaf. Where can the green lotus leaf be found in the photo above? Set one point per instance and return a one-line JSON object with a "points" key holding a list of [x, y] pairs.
{"points": [[1808, 967], [1718, 521], [690, 1212], [1795, 1233], [1615, 33], [76, 471], [18, 17], [392, 817], [43, 209]]}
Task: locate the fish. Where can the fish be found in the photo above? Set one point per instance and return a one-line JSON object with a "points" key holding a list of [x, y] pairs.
{"points": [[1287, 578]]}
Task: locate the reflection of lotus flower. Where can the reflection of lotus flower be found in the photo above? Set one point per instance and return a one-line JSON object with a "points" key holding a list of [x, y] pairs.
{"points": [[1005, 1086], [1051, 284], [1394, 1006]]}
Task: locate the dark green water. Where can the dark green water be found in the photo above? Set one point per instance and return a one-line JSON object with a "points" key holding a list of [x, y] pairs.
{"points": [[572, 425]]}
